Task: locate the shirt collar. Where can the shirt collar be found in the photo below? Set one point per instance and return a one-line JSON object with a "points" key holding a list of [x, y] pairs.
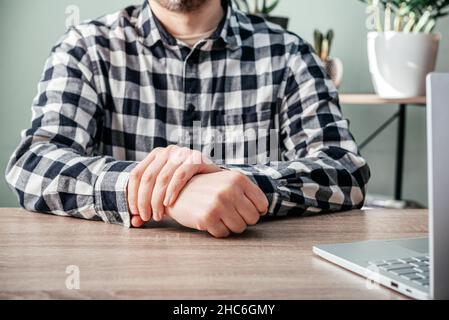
{"points": [[152, 31]]}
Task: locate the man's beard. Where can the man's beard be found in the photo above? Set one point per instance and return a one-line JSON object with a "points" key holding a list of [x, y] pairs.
{"points": [[181, 5]]}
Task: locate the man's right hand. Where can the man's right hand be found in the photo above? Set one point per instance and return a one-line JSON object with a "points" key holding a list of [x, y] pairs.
{"points": [[220, 203], [157, 181]]}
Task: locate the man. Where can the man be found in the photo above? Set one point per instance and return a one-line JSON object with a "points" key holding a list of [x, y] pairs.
{"points": [[188, 109]]}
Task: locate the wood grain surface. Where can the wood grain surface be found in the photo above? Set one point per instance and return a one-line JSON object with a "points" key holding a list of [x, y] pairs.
{"points": [[272, 260]]}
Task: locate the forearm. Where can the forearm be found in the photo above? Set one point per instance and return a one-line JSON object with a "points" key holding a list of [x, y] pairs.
{"points": [[50, 179], [53, 170], [312, 184]]}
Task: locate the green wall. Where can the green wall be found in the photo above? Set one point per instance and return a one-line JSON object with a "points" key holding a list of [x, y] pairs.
{"points": [[28, 29]]}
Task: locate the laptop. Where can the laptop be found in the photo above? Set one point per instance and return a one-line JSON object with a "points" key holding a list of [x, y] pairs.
{"points": [[418, 268]]}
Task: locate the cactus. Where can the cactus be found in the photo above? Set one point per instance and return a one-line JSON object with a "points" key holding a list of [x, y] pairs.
{"points": [[323, 44], [318, 37], [409, 15]]}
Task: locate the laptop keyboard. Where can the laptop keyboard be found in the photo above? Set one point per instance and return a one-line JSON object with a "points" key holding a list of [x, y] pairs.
{"points": [[415, 269]]}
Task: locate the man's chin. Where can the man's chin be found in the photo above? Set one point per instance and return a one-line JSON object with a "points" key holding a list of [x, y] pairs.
{"points": [[181, 5]]}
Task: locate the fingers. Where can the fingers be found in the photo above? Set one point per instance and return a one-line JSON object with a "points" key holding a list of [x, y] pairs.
{"points": [[159, 179], [159, 192], [234, 222], [219, 230], [182, 176], [247, 211], [146, 186], [137, 222], [257, 197], [134, 181]]}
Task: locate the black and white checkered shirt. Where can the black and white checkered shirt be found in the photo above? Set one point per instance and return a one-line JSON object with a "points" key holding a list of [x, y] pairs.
{"points": [[253, 97]]}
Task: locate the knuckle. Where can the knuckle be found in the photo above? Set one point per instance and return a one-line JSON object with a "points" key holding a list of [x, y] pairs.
{"points": [[156, 150], [178, 156], [184, 152], [190, 167], [134, 174], [189, 161], [196, 153], [172, 148], [223, 195], [147, 176], [174, 159], [162, 154], [163, 178], [195, 157], [180, 175], [237, 177], [212, 215]]}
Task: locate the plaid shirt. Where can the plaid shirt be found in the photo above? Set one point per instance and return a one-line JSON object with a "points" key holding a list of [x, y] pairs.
{"points": [[115, 88]]}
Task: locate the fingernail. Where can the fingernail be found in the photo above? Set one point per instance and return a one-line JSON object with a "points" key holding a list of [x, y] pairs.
{"points": [[156, 216]]}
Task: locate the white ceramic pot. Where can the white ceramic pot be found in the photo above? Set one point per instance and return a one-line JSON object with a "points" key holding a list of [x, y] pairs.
{"points": [[399, 62]]}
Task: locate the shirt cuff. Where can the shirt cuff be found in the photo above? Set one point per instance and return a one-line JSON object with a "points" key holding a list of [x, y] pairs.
{"points": [[111, 202]]}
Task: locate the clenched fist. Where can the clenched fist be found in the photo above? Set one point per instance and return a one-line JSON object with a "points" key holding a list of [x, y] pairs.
{"points": [[220, 203]]}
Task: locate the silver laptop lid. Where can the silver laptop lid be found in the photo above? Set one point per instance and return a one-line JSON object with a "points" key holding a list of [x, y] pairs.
{"points": [[438, 175]]}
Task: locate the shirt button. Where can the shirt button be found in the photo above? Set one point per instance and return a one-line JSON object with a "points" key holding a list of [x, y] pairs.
{"points": [[191, 108]]}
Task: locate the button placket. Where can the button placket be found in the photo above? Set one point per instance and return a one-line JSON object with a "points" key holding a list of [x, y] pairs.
{"points": [[190, 79]]}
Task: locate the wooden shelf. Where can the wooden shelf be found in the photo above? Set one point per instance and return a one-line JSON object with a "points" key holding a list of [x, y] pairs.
{"points": [[373, 99]]}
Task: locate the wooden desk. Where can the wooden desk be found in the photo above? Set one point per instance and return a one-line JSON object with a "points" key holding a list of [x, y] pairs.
{"points": [[273, 260], [400, 115]]}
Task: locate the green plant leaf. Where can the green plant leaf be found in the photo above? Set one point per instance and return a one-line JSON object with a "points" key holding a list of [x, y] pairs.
{"points": [[330, 40], [427, 10], [318, 39], [268, 9]]}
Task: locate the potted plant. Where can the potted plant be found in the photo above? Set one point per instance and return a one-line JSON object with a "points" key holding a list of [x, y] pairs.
{"points": [[264, 9], [323, 45], [403, 49]]}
